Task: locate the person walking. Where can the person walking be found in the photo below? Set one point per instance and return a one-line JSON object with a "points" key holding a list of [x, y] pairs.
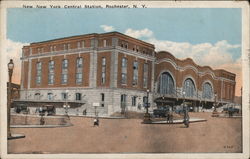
{"points": [[186, 116], [96, 122]]}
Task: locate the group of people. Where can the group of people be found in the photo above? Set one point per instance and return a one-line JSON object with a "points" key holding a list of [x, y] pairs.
{"points": [[169, 116]]}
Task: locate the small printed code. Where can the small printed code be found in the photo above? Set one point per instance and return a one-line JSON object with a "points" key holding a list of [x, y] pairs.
{"points": [[228, 147]]}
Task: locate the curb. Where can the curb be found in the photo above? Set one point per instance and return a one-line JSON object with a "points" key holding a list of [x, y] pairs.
{"points": [[40, 126], [177, 122]]}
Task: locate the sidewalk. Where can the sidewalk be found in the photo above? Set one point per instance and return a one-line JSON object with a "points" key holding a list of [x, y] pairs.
{"points": [[40, 126], [178, 121]]}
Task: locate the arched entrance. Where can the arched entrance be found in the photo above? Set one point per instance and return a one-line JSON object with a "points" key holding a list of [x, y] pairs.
{"points": [[166, 84], [207, 91], [189, 88]]}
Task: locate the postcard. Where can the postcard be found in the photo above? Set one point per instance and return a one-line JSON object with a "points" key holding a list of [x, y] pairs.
{"points": [[124, 79]]}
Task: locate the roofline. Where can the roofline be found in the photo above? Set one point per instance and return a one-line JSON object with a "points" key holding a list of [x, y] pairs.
{"points": [[214, 70], [92, 34]]}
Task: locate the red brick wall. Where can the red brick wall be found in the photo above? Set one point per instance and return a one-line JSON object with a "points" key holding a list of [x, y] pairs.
{"points": [[58, 71], [130, 60], [24, 74], [179, 76]]}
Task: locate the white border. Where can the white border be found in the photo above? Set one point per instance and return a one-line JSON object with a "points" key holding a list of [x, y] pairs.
{"points": [[153, 4]]}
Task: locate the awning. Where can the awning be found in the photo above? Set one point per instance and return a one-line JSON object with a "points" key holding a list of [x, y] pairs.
{"points": [[39, 103]]}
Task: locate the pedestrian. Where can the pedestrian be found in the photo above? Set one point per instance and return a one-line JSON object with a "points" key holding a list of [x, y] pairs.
{"points": [[96, 122], [186, 117], [171, 120], [42, 121]]}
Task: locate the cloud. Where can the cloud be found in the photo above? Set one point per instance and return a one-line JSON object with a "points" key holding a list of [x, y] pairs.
{"points": [[139, 33], [107, 28], [13, 50], [217, 56]]}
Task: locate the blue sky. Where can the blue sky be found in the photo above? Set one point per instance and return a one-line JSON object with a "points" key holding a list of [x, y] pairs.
{"points": [[179, 25], [210, 36]]}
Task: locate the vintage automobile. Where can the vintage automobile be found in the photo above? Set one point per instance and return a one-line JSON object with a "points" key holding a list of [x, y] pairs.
{"points": [[21, 108], [47, 109], [161, 111], [231, 110]]}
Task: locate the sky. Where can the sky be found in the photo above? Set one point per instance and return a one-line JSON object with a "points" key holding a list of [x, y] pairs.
{"points": [[210, 36]]}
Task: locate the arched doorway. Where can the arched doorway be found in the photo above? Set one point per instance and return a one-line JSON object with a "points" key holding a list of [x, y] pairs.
{"points": [[189, 88], [207, 91], [166, 84]]}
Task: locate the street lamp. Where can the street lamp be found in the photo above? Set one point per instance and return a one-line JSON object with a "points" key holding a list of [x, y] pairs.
{"points": [[10, 69], [147, 115], [66, 107], [215, 113], [183, 96]]}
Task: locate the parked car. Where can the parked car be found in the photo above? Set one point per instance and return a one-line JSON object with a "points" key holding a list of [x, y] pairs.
{"points": [[49, 109], [179, 109], [161, 111], [21, 108], [231, 110]]}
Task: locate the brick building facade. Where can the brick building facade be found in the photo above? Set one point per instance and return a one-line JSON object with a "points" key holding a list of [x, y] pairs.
{"points": [[116, 71]]}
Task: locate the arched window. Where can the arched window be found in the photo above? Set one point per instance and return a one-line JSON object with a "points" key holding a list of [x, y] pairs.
{"points": [[166, 84], [207, 91], [189, 88]]}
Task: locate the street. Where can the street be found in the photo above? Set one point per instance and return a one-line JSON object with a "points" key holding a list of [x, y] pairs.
{"points": [[129, 135]]}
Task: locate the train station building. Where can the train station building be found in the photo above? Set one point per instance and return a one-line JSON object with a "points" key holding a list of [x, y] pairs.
{"points": [[116, 72]]}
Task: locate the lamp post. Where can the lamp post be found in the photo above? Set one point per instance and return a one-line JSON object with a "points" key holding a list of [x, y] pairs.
{"points": [[10, 69], [241, 100], [215, 113], [183, 96], [66, 107], [147, 115]]}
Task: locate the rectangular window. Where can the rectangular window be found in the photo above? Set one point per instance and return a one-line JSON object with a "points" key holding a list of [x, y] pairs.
{"points": [[64, 77], [30, 51], [50, 96], [103, 79], [51, 78], [65, 64], [126, 45], [135, 73], [54, 48], [65, 47], [124, 62], [134, 100], [83, 44], [38, 72], [51, 66], [145, 75], [51, 72], [124, 71], [124, 78], [104, 43], [78, 78], [51, 48], [64, 96], [78, 96], [137, 48], [123, 103], [102, 99], [78, 44], [79, 67], [79, 62], [37, 96]]}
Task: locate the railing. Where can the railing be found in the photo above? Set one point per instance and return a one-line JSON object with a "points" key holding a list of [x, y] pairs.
{"points": [[46, 100]]}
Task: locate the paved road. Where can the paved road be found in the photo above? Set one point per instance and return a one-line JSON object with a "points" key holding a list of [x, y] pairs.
{"points": [[129, 135]]}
